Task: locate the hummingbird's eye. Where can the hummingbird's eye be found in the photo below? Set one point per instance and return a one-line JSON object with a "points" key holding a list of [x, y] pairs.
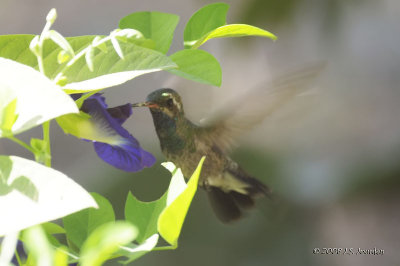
{"points": [[170, 103]]}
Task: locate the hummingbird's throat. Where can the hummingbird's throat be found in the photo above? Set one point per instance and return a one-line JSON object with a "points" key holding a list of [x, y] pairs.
{"points": [[171, 135]]}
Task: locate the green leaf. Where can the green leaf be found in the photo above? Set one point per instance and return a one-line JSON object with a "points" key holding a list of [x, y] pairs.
{"points": [[197, 65], [81, 224], [133, 252], [109, 69], [105, 240], [57, 194], [41, 246], [61, 256], [155, 216], [26, 93], [38, 246], [171, 219], [231, 30], [144, 215], [7, 115], [203, 21], [52, 228], [156, 26], [209, 23]]}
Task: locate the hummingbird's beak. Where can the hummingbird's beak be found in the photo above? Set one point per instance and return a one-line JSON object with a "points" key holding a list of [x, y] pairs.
{"points": [[145, 104]]}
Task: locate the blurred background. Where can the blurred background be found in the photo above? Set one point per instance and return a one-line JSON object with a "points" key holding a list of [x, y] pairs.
{"points": [[331, 156]]}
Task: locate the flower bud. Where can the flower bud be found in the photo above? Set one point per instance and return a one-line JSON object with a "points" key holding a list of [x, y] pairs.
{"points": [[63, 56], [34, 46], [51, 16]]}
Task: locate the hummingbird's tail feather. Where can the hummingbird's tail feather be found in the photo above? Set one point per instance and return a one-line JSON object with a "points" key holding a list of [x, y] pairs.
{"points": [[223, 205], [243, 201], [229, 205]]}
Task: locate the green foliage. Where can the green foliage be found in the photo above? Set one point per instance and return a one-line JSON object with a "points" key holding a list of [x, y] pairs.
{"points": [[165, 215], [232, 30], [16, 48], [81, 224], [197, 65], [105, 240], [8, 116], [156, 26], [40, 250], [171, 219], [114, 71], [52, 228], [94, 236], [144, 215], [209, 22], [38, 72], [43, 248], [78, 77], [204, 21]]}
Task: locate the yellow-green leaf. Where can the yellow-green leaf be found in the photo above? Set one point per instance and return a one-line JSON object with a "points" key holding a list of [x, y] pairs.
{"points": [[231, 30], [105, 240], [171, 219]]}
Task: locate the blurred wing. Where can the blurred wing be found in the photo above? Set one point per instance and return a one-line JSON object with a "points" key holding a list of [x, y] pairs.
{"points": [[243, 113]]}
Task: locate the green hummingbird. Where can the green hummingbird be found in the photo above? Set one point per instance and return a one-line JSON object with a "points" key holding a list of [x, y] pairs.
{"points": [[230, 189]]}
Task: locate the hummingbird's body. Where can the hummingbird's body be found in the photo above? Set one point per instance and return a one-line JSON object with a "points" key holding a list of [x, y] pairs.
{"points": [[184, 143], [229, 187]]}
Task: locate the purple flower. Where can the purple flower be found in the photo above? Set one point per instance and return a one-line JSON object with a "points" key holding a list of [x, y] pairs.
{"points": [[122, 150]]}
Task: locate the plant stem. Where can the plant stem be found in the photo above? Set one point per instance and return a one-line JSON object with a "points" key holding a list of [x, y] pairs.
{"points": [[20, 142], [40, 63], [164, 248], [46, 138], [39, 56]]}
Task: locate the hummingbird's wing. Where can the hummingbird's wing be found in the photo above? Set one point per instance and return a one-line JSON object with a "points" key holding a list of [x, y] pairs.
{"points": [[244, 112]]}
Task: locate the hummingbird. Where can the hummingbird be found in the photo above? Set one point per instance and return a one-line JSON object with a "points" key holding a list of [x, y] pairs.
{"points": [[231, 190]]}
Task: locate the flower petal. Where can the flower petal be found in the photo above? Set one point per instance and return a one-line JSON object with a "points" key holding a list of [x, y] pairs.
{"points": [[121, 113], [130, 158], [112, 131], [121, 149]]}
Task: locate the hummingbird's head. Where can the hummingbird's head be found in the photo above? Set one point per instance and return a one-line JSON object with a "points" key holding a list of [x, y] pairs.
{"points": [[166, 101]]}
